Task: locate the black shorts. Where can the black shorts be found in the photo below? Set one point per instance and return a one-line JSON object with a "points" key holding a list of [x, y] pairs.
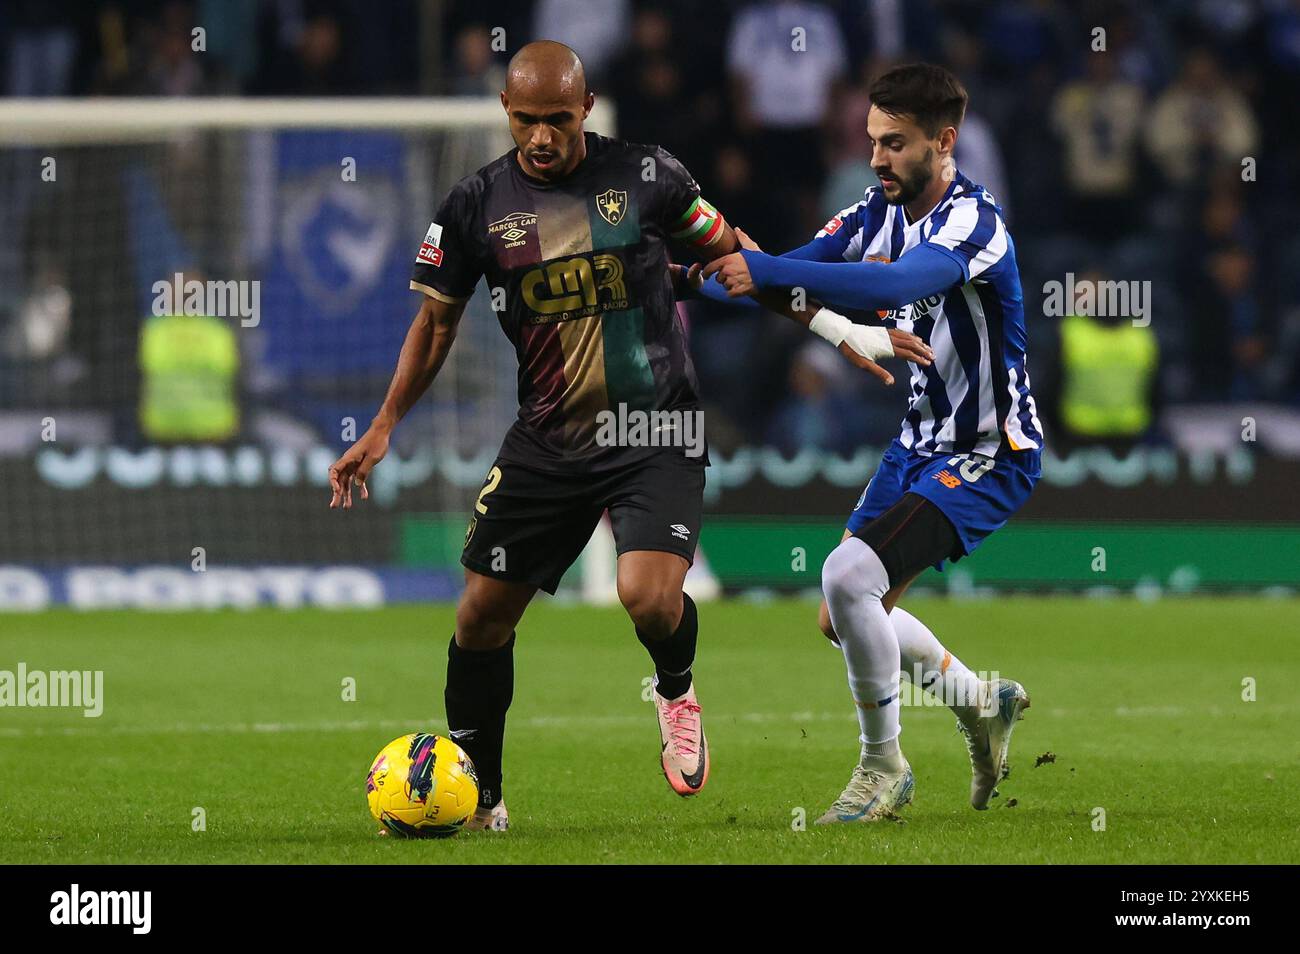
{"points": [[911, 535], [528, 525]]}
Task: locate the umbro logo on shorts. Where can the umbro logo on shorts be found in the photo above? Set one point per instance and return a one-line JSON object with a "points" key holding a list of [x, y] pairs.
{"points": [[679, 531]]}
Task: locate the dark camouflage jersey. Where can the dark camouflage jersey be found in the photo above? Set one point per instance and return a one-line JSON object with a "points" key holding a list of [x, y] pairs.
{"points": [[588, 302]]}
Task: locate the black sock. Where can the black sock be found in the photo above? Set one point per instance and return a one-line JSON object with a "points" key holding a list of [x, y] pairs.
{"points": [[480, 685], [674, 656]]}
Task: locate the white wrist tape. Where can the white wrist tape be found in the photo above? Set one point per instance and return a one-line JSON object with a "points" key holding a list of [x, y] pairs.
{"points": [[872, 343]]}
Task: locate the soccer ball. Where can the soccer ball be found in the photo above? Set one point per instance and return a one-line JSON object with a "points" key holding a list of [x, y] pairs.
{"points": [[422, 786]]}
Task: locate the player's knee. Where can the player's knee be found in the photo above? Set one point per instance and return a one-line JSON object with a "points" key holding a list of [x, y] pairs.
{"points": [[478, 626], [853, 571], [654, 610], [837, 574]]}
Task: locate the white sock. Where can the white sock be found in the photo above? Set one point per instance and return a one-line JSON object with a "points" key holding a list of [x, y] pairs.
{"points": [[928, 665], [854, 581]]}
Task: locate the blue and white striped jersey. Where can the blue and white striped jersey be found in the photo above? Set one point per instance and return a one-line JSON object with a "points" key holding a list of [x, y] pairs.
{"points": [[975, 398]]}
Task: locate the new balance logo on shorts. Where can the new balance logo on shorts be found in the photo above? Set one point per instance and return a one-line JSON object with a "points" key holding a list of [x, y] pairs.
{"points": [[682, 533], [947, 479]]}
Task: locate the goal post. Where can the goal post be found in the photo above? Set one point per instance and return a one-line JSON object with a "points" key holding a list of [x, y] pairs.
{"points": [[56, 121]]}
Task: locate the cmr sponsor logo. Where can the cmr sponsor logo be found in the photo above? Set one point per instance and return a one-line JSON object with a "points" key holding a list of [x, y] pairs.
{"points": [[73, 907], [56, 689]]}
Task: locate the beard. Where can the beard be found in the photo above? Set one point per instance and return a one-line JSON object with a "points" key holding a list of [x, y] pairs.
{"points": [[913, 182]]}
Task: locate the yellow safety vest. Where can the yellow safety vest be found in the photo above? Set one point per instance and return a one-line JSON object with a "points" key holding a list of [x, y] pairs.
{"points": [[189, 366], [1107, 377]]}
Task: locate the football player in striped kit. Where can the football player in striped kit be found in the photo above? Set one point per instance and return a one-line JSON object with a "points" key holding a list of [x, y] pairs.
{"points": [[927, 250]]}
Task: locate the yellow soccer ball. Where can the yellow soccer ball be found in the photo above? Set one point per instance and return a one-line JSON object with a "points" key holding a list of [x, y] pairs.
{"points": [[422, 786]]}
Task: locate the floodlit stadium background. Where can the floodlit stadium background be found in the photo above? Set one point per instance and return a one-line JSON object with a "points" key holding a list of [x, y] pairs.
{"points": [[134, 451]]}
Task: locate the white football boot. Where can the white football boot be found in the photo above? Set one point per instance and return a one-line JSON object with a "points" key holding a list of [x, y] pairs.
{"points": [[988, 738], [495, 818], [881, 784]]}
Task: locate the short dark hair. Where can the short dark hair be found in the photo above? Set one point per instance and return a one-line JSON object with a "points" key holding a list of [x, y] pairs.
{"points": [[927, 94]]}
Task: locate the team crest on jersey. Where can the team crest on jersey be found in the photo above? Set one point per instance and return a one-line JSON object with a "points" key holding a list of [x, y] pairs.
{"points": [[431, 248], [612, 205], [513, 230]]}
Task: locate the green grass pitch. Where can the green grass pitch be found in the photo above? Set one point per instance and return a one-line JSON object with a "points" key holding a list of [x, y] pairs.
{"points": [[242, 714]]}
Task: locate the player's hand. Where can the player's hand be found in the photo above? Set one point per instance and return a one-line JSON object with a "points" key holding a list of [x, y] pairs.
{"points": [[693, 276], [733, 272], [355, 466], [910, 348], [906, 345], [746, 242]]}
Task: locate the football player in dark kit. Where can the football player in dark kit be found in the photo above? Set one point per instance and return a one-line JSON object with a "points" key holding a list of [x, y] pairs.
{"points": [[574, 227]]}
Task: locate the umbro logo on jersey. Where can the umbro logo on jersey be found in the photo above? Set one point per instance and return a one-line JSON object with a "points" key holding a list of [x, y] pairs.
{"points": [[513, 229], [681, 532]]}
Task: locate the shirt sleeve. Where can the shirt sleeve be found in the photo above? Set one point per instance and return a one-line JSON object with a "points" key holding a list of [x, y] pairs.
{"points": [[972, 235], [713, 291], [677, 189], [917, 274], [686, 216], [446, 267]]}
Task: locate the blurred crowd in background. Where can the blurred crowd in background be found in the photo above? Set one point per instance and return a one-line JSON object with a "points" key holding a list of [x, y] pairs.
{"points": [[1163, 148]]}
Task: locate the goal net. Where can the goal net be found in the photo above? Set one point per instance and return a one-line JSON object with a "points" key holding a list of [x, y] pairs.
{"points": [[201, 303]]}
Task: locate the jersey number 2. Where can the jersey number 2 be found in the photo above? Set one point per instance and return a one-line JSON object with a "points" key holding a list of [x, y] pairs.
{"points": [[493, 478]]}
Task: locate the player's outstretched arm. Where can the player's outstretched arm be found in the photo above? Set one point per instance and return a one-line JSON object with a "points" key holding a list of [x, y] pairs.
{"points": [[427, 344], [863, 346], [925, 270], [704, 230]]}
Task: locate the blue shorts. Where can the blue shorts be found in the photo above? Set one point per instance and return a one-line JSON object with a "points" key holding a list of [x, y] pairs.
{"points": [[977, 494]]}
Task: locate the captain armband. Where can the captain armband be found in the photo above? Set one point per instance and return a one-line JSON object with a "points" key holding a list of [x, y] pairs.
{"points": [[700, 226]]}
